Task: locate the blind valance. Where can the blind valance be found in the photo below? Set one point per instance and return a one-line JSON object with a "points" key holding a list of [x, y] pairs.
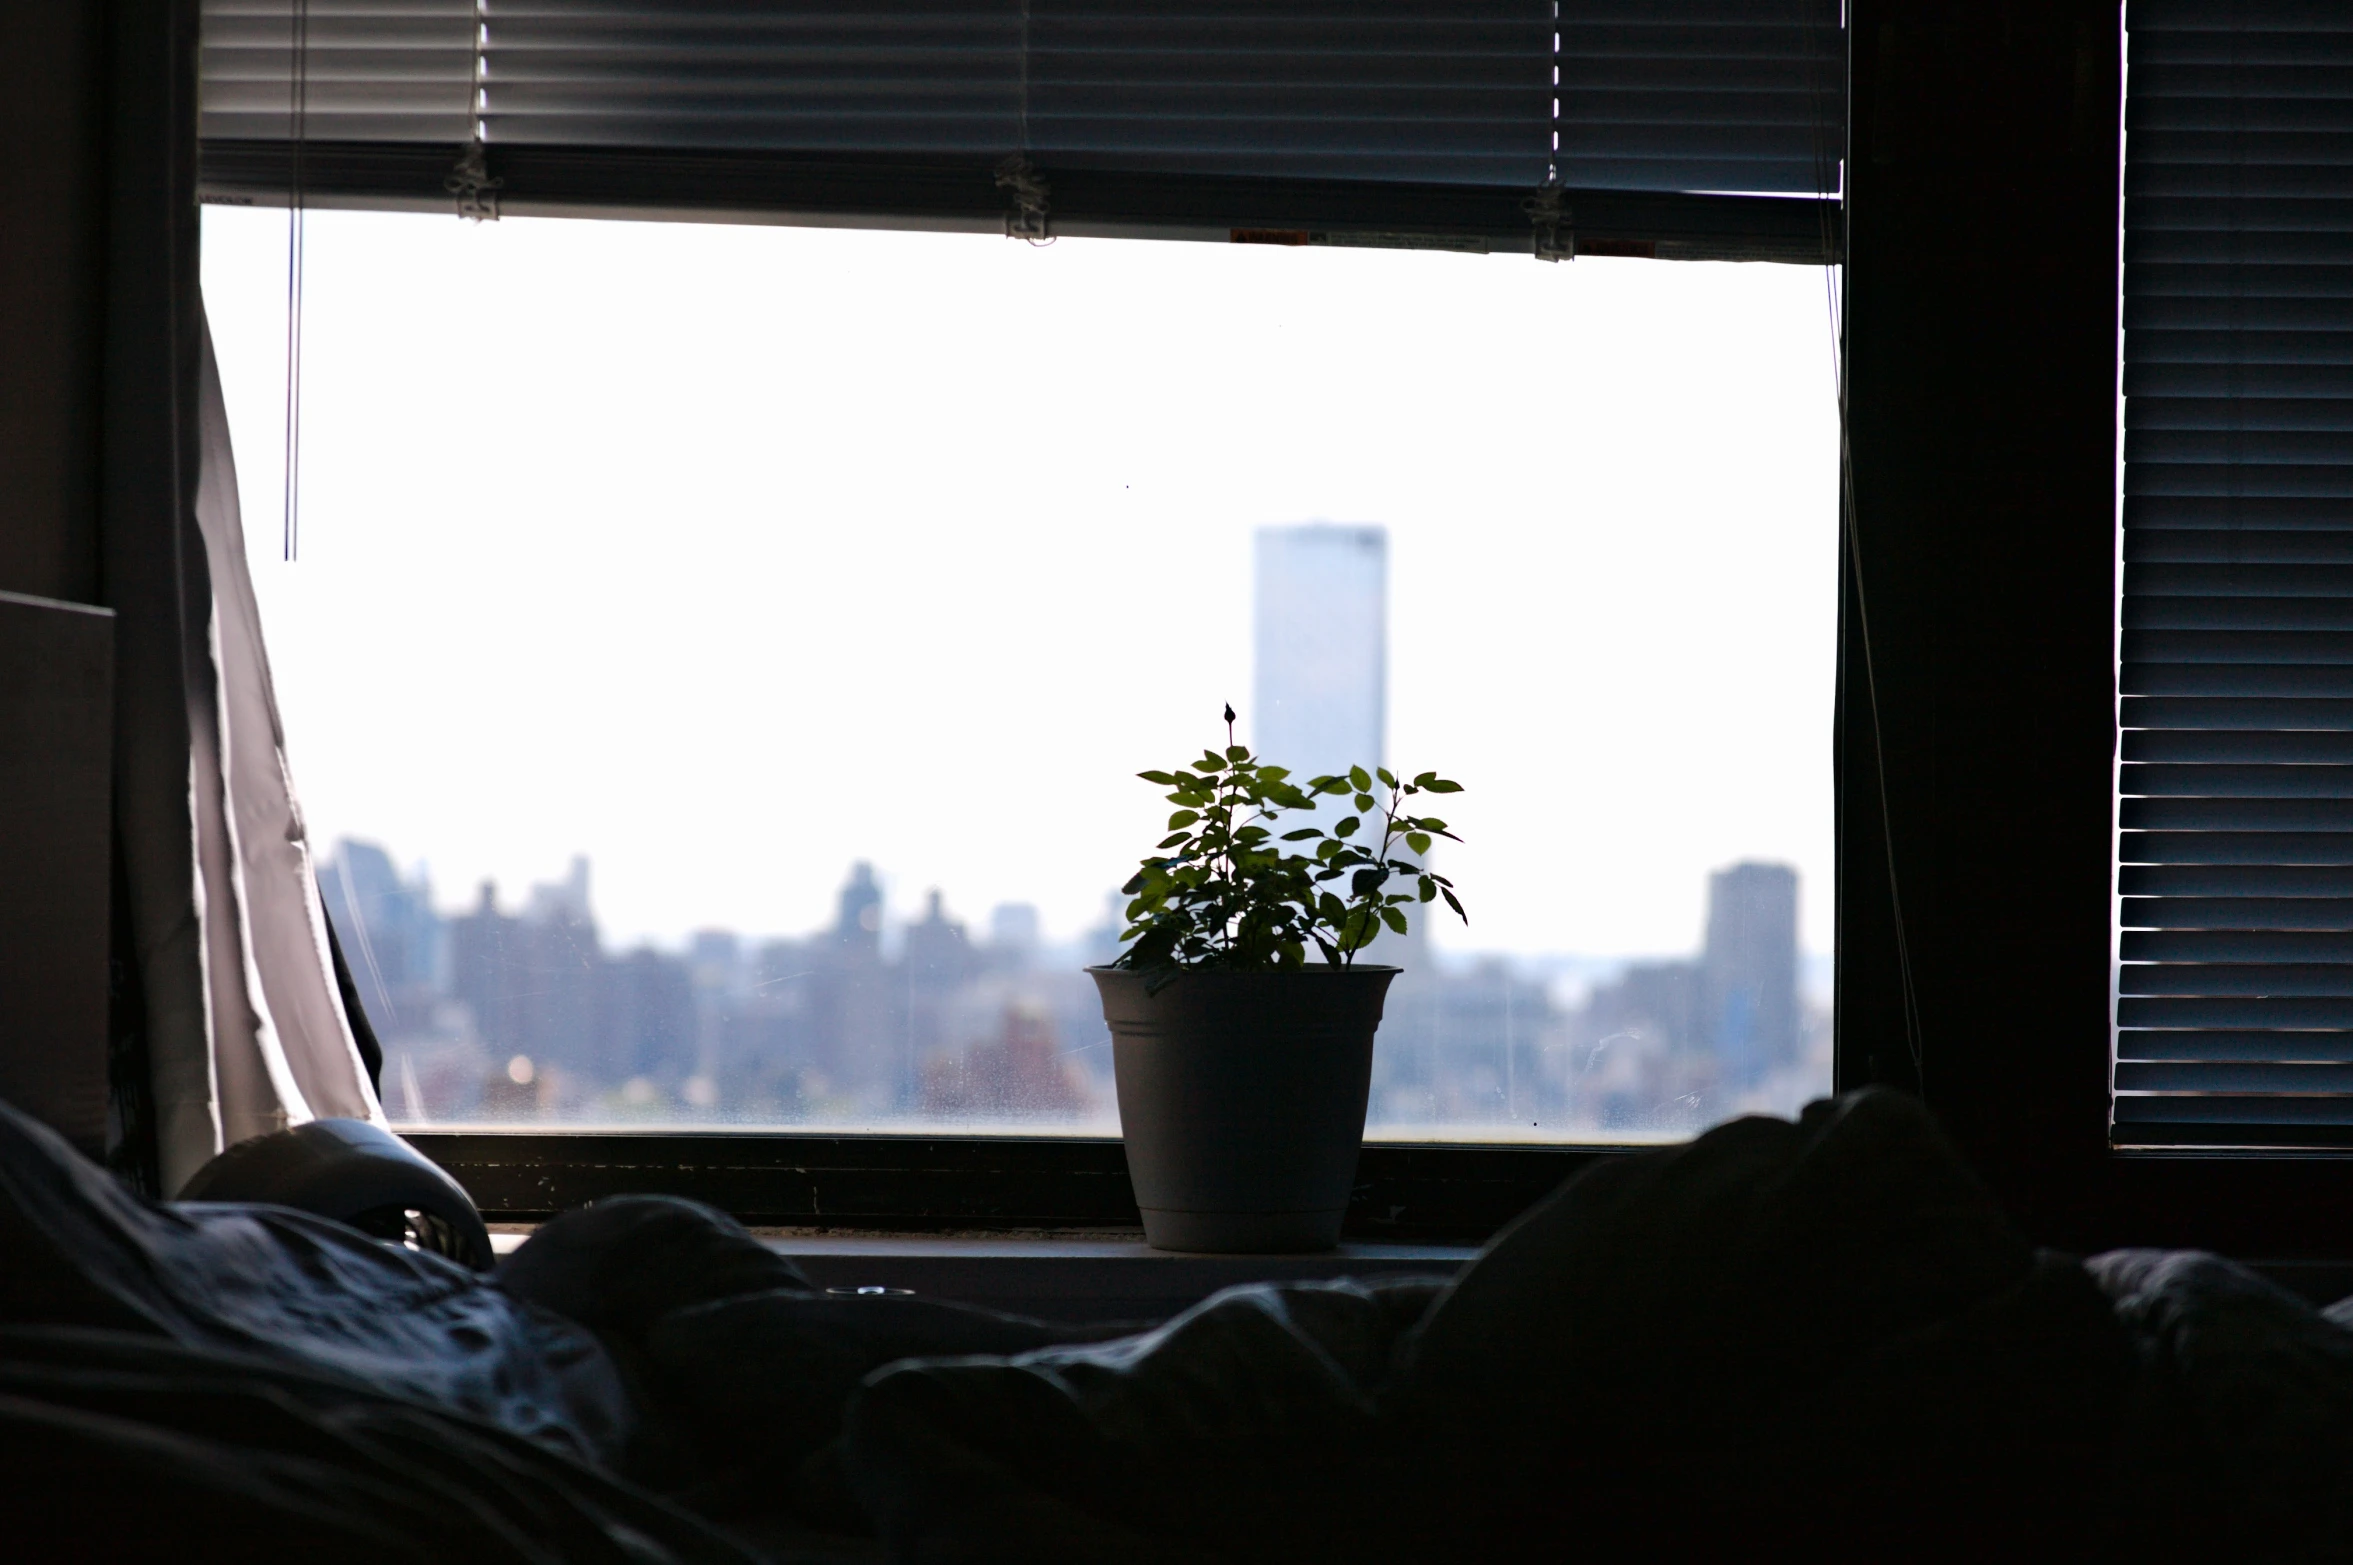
{"points": [[2234, 1004], [1670, 120]]}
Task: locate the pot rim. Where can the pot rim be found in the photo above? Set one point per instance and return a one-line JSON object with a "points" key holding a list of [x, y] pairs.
{"points": [[1261, 972]]}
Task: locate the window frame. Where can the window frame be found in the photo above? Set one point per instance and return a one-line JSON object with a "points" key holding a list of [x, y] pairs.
{"points": [[919, 1180]]}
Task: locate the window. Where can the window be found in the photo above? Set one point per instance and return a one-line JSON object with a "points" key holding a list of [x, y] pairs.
{"points": [[727, 694], [680, 607]]}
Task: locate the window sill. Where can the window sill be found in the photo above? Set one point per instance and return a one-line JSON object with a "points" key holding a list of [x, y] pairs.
{"points": [[1098, 1275], [1406, 1194]]}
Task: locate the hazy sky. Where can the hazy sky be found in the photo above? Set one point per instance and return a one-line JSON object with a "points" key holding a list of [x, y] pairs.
{"points": [[727, 555]]}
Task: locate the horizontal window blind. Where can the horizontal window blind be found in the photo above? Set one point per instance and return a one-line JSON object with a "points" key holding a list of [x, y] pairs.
{"points": [[2235, 851], [1701, 95], [1674, 117]]}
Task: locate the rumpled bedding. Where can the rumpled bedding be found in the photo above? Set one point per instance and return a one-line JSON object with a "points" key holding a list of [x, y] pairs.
{"points": [[1809, 1339]]}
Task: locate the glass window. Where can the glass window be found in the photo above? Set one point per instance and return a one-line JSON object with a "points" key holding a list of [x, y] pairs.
{"points": [[718, 658]]}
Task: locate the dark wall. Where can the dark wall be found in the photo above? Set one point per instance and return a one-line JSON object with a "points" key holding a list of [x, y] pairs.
{"points": [[100, 322], [52, 272], [1976, 702]]}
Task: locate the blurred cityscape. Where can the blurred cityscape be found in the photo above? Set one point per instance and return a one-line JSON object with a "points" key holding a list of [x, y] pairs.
{"points": [[514, 1015], [520, 1014]]}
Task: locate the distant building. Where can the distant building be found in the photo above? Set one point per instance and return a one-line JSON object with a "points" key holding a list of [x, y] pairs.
{"points": [[1748, 970], [1320, 639], [851, 1036], [1021, 1073], [550, 1008], [857, 923], [1679, 1044], [484, 945], [646, 1019], [1014, 935], [936, 961], [391, 936]]}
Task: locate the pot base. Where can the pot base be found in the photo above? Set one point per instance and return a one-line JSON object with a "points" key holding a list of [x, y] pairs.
{"points": [[1242, 1233]]}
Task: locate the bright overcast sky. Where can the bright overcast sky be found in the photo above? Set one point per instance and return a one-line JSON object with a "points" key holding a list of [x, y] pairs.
{"points": [[728, 555]]}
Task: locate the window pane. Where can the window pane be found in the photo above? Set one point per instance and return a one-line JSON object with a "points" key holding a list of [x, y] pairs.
{"points": [[718, 658]]}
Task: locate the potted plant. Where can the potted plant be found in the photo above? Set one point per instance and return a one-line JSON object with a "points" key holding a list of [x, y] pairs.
{"points": [[1241, 1022]]}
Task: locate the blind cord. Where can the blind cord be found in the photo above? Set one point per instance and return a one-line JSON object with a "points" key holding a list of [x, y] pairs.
{"points": [[298, 116], [470, 181], [1031, 217], [1554, 225]]}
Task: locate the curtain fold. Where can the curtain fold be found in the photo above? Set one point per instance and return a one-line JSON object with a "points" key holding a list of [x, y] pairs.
{"points": [[282, 1043], [247, 1033]]}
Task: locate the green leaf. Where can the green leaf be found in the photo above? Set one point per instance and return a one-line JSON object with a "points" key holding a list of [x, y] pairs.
{"points": [[1419, 841], [1364, 801], [1455, 903], [1429, 888], [1424, 779], [1163, 778], [1385, 775], [1394, 918], [1441, 785], [1347, 826], [1302, 834], [1273, 774], [1183, 818], [1366, 881], [1172, 840], [1237, 753], [1210, 764], [1360, 781]]}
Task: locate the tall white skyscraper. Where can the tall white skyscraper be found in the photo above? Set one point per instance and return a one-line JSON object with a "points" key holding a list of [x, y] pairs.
{"points": [[1321, 639], [1320, 698]]}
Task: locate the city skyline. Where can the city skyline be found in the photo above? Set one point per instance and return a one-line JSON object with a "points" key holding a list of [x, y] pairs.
{"points": [[896, 911], [516, 1010]]}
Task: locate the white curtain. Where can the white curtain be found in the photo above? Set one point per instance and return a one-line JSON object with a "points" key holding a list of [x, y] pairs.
{"points": [[270, 1045]]}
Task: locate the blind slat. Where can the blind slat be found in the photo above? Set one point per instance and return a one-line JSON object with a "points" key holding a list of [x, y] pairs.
{"points": [[2269, 949], [2238, 913], [2237, 1012], [2302, 780], [2209, 1045], [2167, 880], [2213, 1078], [2257, 614], [2291, 680], [2249, 848], [2228, 746]]}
